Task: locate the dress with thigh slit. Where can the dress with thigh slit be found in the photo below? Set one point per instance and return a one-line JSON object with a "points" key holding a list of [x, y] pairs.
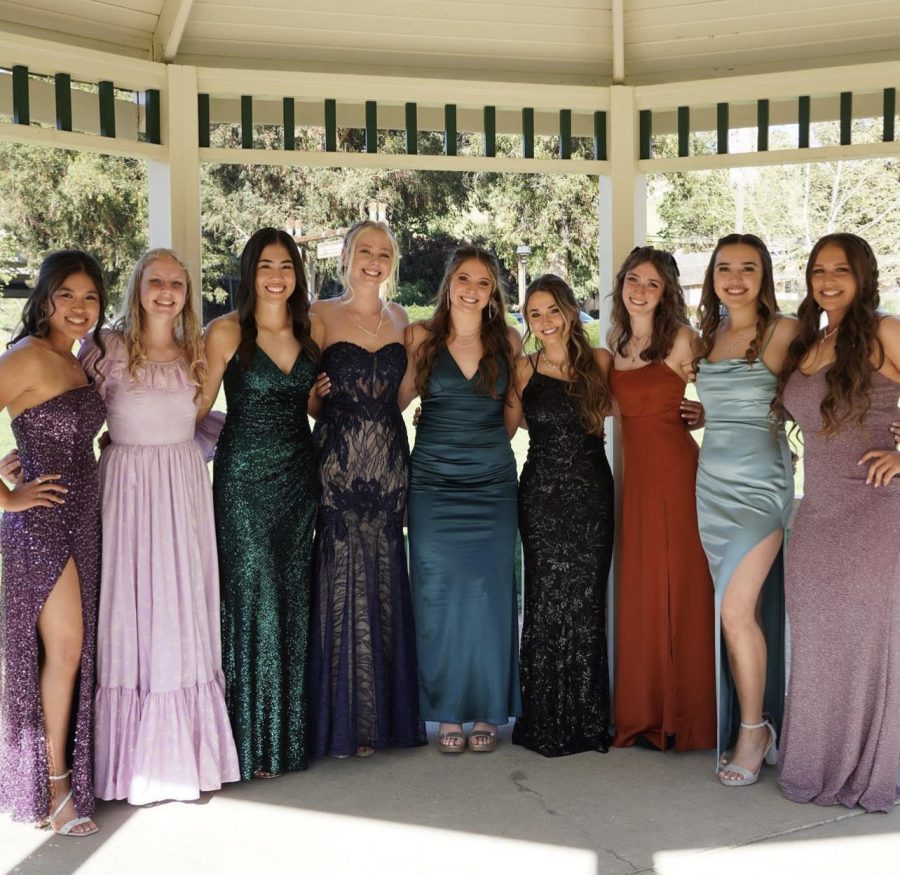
{"points": [[54, 437], [745, 491]]}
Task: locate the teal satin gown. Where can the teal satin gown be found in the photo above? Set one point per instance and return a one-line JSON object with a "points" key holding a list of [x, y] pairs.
{"points": [[745, 491], [462, 531]]}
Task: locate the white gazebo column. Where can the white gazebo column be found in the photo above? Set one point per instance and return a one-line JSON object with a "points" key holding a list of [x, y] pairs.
{"points": [[174, 184]]}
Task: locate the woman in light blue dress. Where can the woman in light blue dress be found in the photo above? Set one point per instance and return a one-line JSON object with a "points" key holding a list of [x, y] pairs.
{"points": [[744, 497]]}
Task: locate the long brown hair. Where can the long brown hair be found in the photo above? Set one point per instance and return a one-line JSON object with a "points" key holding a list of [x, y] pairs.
{"points": [[849, 378], [709, 311], [588, 385], [494, 330], [297, 303], [670, 313], [130, 319]]}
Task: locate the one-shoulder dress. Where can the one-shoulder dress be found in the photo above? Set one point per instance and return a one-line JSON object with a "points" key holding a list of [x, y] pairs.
{"points": [[54, 437], [841, 738], [364, 686], [162, 729], [745, 492], [462, 533], [566, 512], [665, 637], [264, 489]]}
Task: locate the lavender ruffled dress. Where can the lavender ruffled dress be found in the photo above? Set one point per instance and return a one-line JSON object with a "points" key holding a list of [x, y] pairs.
{"points": [[162, 730]]}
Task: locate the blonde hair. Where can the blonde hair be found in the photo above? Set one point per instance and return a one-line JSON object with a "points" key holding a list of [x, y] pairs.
{"points": [[129, 322], [389, 286]]}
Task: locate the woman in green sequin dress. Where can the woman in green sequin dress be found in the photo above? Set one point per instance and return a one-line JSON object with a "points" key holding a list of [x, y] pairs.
{"points": [[265, 499]]}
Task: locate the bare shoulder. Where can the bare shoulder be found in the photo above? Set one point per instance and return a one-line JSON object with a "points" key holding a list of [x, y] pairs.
{"points": [[24, 355], [524, 369], [786, 329], [889, 335], [515, 339], [317, 328], [224, 334], [414, 335], [604, 359], [398, 313]]}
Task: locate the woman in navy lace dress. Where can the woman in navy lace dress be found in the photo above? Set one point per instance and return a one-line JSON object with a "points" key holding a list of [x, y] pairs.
{"points": [[363, 677]]}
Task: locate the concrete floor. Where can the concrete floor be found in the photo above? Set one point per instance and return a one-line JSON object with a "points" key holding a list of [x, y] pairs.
{"points": [[416, 811]]}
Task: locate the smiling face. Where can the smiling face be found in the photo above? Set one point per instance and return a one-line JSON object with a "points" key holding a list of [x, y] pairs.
{"points": [[642, 289], [471, 286], [275, 279], [832, 281], [163, 289], [74, 307], [370, 259], [737, 275], [546, 319]]}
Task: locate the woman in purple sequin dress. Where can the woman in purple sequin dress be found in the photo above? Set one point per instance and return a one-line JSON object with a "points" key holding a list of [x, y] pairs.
{"points": [[841, 384], [51, 553]]}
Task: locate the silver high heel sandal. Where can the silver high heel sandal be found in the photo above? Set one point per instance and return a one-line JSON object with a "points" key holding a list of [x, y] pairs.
{"points": [[746, 776], [66, 828]]}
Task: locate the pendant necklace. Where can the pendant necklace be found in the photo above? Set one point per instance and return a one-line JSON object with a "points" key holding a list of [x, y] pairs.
{"points": [[826, 333], [553, 364]]}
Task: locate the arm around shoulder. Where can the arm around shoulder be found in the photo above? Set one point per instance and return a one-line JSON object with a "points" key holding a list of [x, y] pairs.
{"points": [[889, 336]]}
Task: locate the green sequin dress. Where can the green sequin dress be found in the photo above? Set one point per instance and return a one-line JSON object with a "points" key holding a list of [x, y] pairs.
{"points": [[265, 500]]}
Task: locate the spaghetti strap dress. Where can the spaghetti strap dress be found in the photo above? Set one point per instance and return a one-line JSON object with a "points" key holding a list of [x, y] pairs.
{"points": [[745, 492], [665, 644], [54, 437], [841, 738]]}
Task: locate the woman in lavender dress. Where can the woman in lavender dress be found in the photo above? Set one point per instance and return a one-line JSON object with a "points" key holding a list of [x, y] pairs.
{"points": [[841, 385], [162, 727], [363, 674], [51, 553]]}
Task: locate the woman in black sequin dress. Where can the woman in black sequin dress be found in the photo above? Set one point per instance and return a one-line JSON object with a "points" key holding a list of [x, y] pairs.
{"points": [[363, 673], [566, 521]]}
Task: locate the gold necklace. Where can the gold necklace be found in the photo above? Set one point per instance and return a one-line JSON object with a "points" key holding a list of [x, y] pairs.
{"points": [[826, 333], [565, 362], [466, 339], [363, 328]]}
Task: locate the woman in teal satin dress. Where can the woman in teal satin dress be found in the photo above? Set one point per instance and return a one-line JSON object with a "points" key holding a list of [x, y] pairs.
{"points": [[265, 487], [744, 496], [462, 506]]}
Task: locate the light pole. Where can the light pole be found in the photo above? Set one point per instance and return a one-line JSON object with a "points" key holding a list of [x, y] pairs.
{"points": [[522, 253]]}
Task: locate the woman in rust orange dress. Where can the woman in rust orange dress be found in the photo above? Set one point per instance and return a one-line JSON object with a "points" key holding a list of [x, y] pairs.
{"points": [[665, 656]]}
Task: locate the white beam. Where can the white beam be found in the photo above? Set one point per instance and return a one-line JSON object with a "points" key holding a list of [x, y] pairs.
{"points": [[35, 136], [170, 28], [618, 42]]}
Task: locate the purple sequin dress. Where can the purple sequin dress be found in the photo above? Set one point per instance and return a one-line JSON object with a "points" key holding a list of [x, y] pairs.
{"points": [[54, 437], [841, 736]]}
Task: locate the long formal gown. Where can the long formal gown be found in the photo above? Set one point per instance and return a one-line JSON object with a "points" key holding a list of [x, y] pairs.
{"points": [[566, 516], [363, 677], [745, 491], [264, 486], [841, 739], [162, 729], [665, 647], [54, 437], [462, 532]]}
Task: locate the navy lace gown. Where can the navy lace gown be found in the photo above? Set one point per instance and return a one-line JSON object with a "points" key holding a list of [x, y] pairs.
{"points": [[363, 673]]}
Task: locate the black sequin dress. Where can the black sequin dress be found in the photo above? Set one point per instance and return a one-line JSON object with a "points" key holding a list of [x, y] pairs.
{"points": [[264, 490], [363, 675], [54, 437], [566, 521]]}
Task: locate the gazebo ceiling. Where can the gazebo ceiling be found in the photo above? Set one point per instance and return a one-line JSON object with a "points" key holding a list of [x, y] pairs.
{"points": [[584, 42]]}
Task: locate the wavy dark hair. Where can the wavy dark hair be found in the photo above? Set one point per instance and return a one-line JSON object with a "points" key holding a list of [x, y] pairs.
{"points": [[766, 306], [588, 385], [297, 303], [849, 379], [670, 314], [55, 269], [494, 337]]}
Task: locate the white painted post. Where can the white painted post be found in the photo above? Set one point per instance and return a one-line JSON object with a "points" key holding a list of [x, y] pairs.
{"points": [[174, 184]]}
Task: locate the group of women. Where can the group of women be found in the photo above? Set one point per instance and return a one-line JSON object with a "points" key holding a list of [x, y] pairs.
{"points": [[238, 629]]}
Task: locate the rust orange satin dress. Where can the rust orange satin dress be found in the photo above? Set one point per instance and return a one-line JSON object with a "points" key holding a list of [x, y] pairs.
{"points": [[665, 648]]}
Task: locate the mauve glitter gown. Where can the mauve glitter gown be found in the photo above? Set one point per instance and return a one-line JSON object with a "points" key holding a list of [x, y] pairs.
{"points": [[54, 437], [841, 737], [264, 489], [363, 686], [162, 729]]}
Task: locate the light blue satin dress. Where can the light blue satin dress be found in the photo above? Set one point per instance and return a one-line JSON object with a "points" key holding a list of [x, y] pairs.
{"points": [[745, 491]]}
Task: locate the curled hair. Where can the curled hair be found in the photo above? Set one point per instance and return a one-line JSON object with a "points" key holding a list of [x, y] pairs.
{"points": [[588, 385], [351, 239], [668, 316], [55, 269], [494, 336], [849, 378], [766, 306], [130, 321], [297, 303]]}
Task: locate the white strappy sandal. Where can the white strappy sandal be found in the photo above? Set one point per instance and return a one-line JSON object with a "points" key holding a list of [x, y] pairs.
{"points": [[66, 828], [746, 776]]}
